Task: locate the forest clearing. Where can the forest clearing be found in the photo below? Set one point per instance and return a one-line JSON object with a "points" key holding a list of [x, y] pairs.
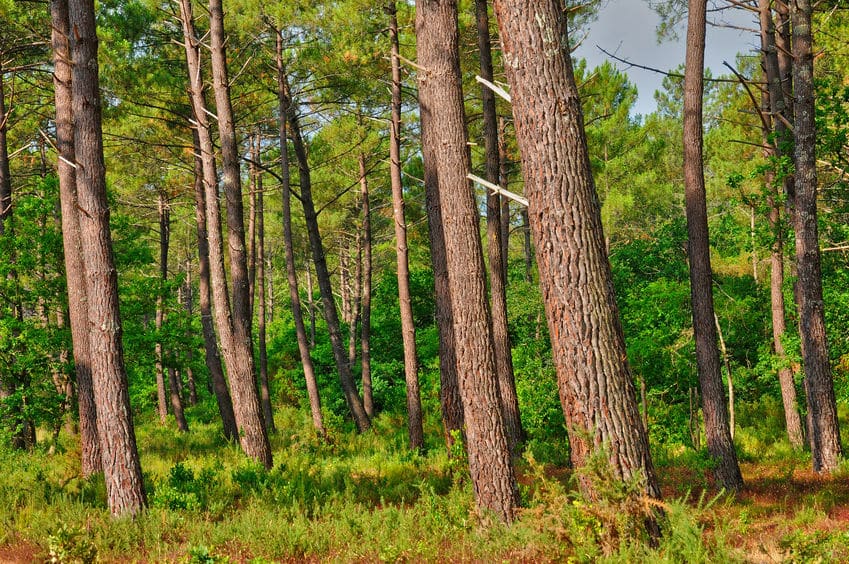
{"points": [[409, 281]]}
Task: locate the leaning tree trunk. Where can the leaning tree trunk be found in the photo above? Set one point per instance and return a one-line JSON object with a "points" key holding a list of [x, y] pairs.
{"points": [[211, 356], [495, 244], [825, 439], [408, 330], [775, 110], [291, 273], [444, 132], [121, 468], [331, 315], [74, 265], [565, 219], [236, 344], [717, 431]]}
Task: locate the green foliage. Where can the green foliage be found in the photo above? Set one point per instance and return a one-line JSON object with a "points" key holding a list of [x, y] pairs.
{"points": [[71, 546]]}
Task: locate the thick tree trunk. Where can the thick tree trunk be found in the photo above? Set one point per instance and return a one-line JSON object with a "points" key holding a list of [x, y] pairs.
{"points": [[450, 399], [495, 244], [717, 431], [291, 273], [236, 345], [331, 315], [775, 105], [444, 133], [825, 439], [74, 265], [365, 322], [252, 431], [122, 471], [259, 260], [408, 329], [212, 357], [565, 219]]}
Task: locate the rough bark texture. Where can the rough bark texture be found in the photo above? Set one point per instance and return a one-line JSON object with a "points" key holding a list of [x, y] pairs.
{"points": [[717, 431], [775, 105], [212, 358], [594, 380], [121, 468], [444, 132], [331, 315], [825, 438], [450, 399], [495, 244], [238, 355], [253, 434], [291, 274], [408, 330], [74, 265]]}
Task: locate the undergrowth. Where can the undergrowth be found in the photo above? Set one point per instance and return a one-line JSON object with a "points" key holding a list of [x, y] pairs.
{"points": [[365, 498]]}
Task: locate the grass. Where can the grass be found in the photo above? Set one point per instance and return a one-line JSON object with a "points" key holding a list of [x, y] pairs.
{"points": [[368, 498]]}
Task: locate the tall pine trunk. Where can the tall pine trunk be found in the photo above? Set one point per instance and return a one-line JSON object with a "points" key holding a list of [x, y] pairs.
{"points": [[74, 265], [365, 322], [236, 346], [495, 244], [825, 435], [291, 274], [775, 105], [565, 220], [121, 468], [444, 133], [212, 358], [253, 434], [331, 315], [259, 261], [717, 431], [164, 226], [408, 330]]}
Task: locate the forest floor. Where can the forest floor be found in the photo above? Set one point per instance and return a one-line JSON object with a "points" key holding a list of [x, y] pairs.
{"points": [[366, 499]]}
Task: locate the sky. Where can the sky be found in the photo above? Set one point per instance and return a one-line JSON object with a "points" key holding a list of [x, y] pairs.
{"points": [[627, 28]]}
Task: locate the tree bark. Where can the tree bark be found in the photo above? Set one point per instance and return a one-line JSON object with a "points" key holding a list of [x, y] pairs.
{"points": [[495, 245], [365, 322], [717, 431], [444, 133], [825, 440], [74, 264], [188, 303], [594, 380], [235, 342], [291, 274], [212, 357], [331, 315], [408, 330], [253, 434], [775, 105], [450, 399], [122, 471]]}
